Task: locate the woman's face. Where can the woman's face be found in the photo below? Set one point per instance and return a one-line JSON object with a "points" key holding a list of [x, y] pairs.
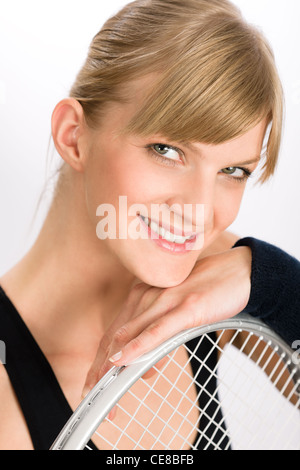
{"points": [[153, 172]]}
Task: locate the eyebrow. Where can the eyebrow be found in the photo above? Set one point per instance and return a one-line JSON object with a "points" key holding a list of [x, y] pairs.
{"points": [[248, 162]]}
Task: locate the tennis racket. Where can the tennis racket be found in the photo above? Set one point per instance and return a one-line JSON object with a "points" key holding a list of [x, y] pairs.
{"points": [[231, 385]]}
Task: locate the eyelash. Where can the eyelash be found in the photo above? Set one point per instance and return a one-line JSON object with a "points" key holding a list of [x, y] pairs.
{"points": [[242, 179], [161, 158], [170, 162]]}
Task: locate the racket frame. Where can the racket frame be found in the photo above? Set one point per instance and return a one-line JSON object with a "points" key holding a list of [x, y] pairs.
{"points": [[109, 390]]}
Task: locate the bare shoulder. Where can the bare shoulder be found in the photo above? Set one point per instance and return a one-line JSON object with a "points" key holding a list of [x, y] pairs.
{"points": [[227, 240], [224, 242], [14, 433]]}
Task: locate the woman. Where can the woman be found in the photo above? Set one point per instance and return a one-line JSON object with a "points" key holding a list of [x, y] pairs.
{"points": [[171, 108]]}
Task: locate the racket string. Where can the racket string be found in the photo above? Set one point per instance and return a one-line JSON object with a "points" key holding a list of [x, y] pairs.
{"points": [[219, 426], [233, 391], [261, 414], [276, 403], [176, 409], [163, 402], [155, 414]]}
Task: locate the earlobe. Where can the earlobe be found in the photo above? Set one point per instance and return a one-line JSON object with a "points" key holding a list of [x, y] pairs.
{"points": [[67, 125]]}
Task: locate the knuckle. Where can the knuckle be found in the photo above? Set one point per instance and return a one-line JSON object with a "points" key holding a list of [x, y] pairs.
{"points": [[136, 344], [154, 332], [192, 300], [121, 336], [168, 299], [149, 337]]}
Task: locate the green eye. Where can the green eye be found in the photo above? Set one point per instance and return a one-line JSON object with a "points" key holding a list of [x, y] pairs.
{"points": [[229, 171], [161, 149], [233, 171], [167, 151], [237, 174]]}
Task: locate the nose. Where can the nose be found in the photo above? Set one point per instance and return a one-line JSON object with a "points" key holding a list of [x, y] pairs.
{"points": [[196, 198]]}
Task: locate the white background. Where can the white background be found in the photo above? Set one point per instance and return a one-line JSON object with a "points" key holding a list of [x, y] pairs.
{"points": [[42, 46]]}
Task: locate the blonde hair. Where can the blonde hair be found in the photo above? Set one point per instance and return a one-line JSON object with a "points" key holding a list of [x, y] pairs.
{"points": [[215, 74]]}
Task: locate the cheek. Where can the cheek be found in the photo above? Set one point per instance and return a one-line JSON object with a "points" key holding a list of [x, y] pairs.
{"points": [[120, 173], [105, 180], [112, 175], [227, 208]]}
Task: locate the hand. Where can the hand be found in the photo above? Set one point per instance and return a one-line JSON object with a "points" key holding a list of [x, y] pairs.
{"points": [[218, 288]]}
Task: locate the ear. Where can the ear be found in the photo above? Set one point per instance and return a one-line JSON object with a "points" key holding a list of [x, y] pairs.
{"points": [[67, 127]]}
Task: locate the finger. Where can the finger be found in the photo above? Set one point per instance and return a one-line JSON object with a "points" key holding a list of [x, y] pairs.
{"points": [[112, 414], [140, 323], [101, 365], [98, 369], [182, 317], [109, 356], [155, 370]]}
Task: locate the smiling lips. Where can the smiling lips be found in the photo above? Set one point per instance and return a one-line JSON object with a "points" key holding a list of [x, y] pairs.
{"points": [[169, 240]]}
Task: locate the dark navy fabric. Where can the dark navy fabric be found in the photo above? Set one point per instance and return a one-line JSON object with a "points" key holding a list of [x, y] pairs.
{"points": [[275, 288]]}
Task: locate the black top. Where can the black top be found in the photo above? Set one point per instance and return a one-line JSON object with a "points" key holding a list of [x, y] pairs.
{"points": [[43, 402], [275, 297]]}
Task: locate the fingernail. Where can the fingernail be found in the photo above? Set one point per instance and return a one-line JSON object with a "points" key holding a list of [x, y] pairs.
{"points": [[112, 414], [116, 357]]}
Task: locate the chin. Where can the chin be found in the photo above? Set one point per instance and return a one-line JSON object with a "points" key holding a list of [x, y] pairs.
{"points": [[158, 269], [163, 277]]}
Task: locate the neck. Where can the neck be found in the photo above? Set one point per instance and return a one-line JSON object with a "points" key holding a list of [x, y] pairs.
{"points": [[68, 274]]}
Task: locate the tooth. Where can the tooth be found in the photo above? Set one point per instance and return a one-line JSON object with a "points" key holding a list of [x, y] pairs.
{"points": [[154, 227], [181, 241], [178, 237], [171, 237]]}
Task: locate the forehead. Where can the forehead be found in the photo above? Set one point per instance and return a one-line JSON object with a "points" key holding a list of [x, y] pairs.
{"points": [[148, 107], [244, 149], [247, 146], [134, 95]]}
